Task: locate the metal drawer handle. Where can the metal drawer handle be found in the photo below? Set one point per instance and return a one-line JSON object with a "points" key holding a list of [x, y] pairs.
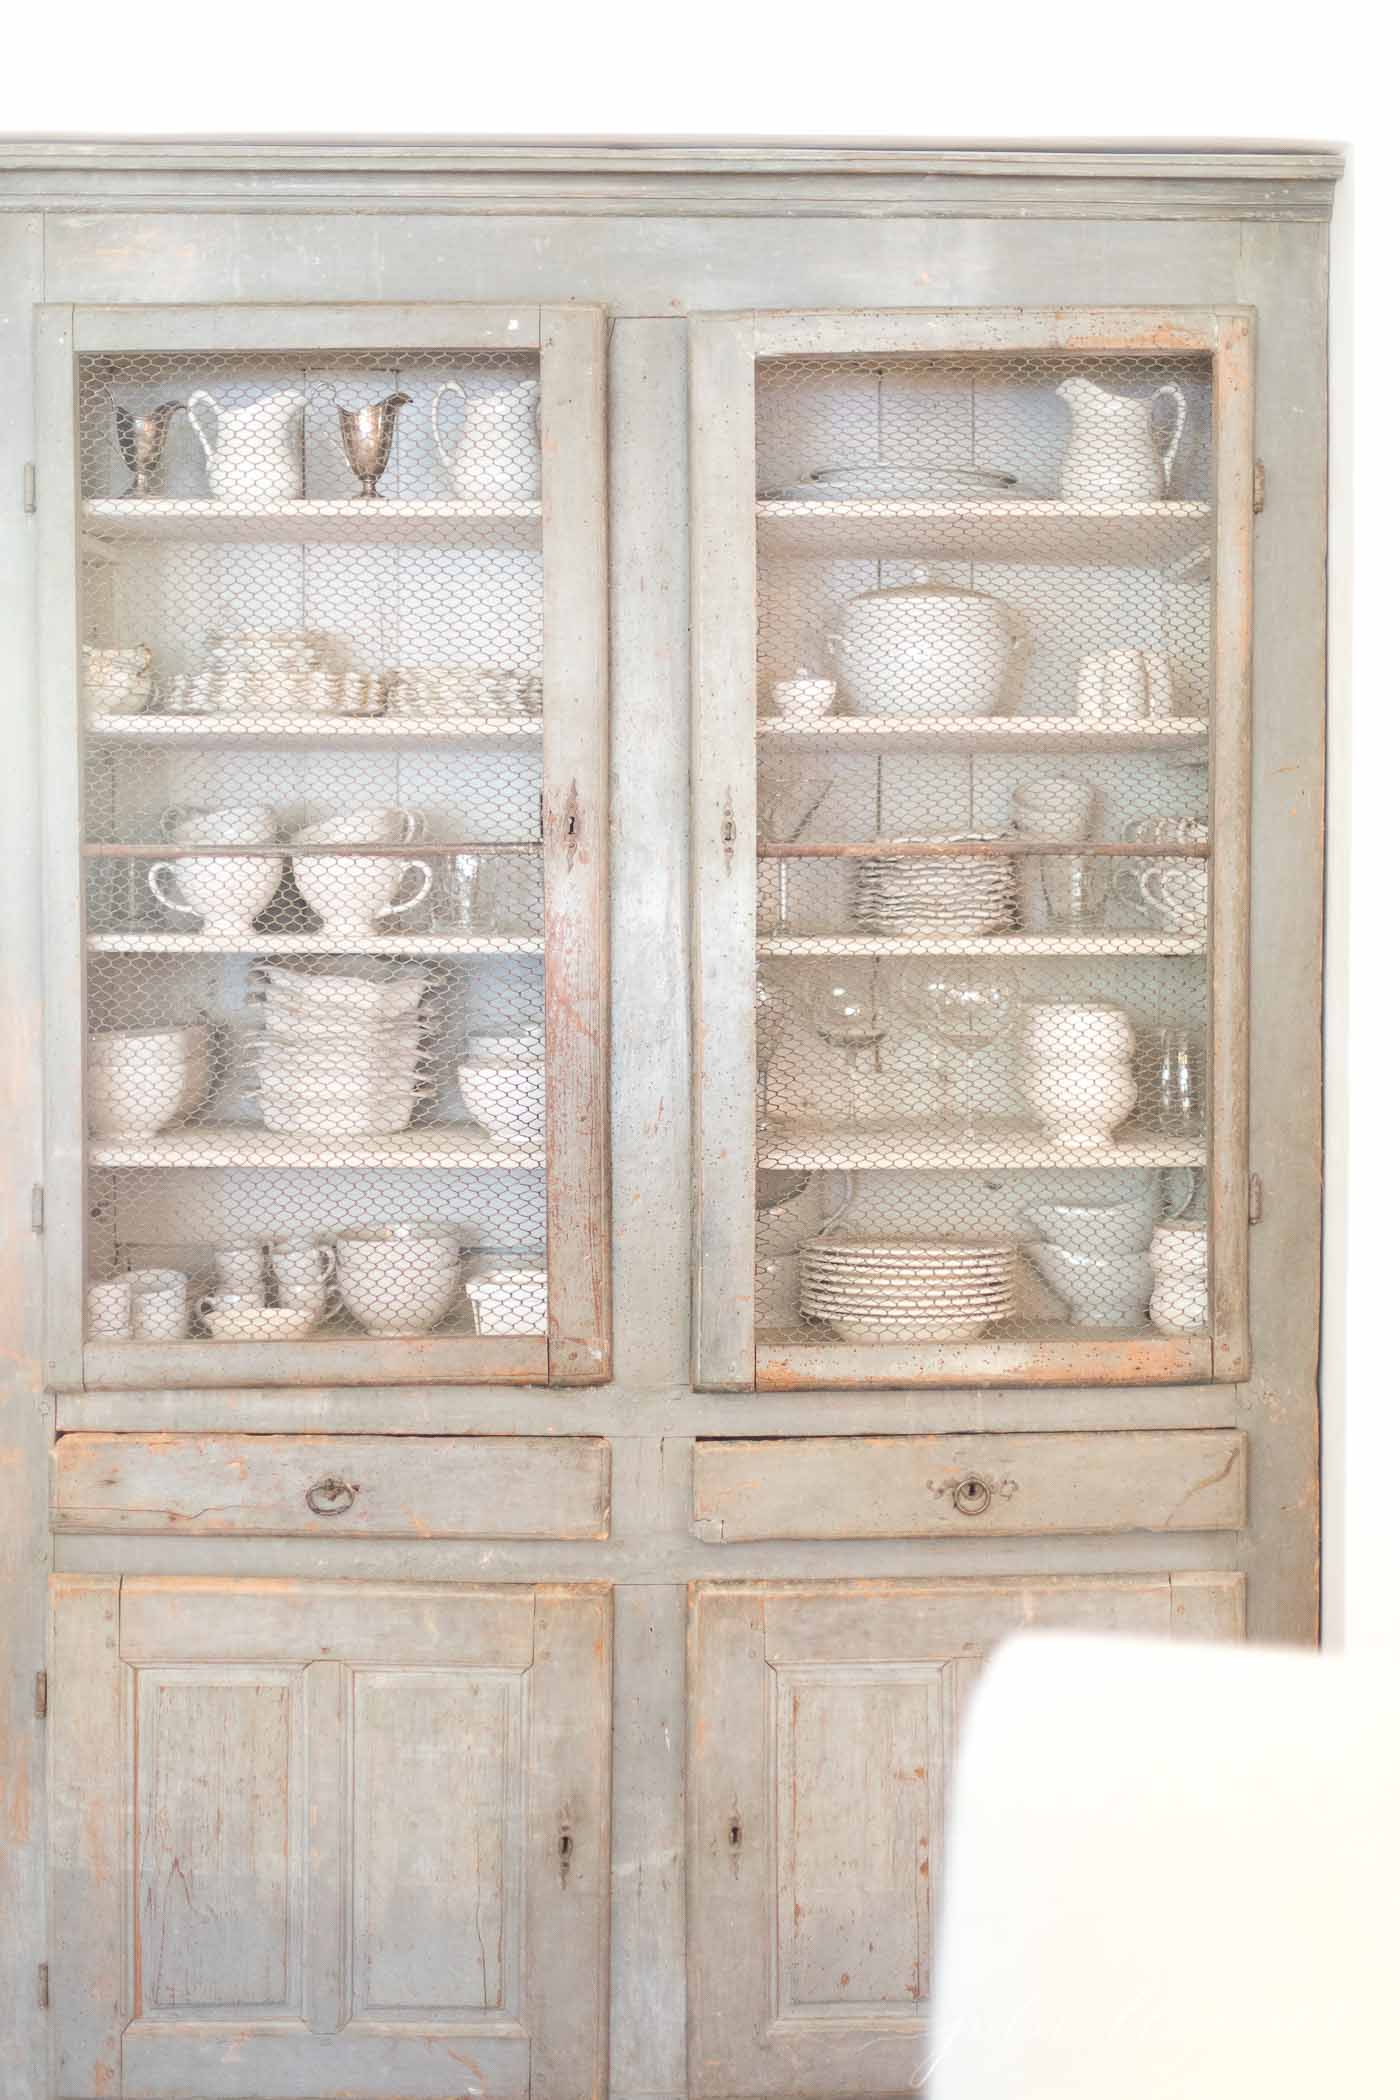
{"points": [[330, 1497], [972, 1497]]}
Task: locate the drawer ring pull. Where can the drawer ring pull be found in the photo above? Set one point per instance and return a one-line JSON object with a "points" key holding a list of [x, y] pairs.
{"points": [[972, 1497], [330, 1497]]}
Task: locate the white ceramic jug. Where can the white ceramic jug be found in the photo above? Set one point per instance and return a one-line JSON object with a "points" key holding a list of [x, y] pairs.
{"points": [[1114, 453], [497, 455], [255, 453]]}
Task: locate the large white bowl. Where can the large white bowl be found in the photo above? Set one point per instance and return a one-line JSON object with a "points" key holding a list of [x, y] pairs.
{"points": [[926, 649], [1108, 1291]]}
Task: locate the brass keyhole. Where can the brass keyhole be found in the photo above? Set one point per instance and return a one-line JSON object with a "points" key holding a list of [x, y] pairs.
{"points": [[972, 1497]]}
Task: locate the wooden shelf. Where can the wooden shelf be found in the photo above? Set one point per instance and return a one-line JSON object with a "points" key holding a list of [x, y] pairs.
{"points": [[339, 522], [869, 735], [995, 1146], [1125, 941], [296, 732], [427, 944], [460, 1147], [1107, 535]]}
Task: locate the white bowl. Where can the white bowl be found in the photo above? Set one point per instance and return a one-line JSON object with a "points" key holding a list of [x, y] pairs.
{"points": [[507, 1099], [510, 1301], [1108, 1291], [137, 1101], [261, 1323]]}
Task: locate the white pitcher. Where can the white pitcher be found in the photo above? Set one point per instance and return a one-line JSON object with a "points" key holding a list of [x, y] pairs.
{"points": [[254, 454], [497, 456], [1114, 453]]}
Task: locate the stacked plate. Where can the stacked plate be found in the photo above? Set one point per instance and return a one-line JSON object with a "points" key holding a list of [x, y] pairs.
{"points": [[464, 689], [951, 893], [893, 1288], [341, 1052], [266, 671], [884, 484]]}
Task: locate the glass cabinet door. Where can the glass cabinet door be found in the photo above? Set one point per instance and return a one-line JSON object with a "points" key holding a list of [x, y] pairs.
{"points": [[971, 774], [324, 654]]}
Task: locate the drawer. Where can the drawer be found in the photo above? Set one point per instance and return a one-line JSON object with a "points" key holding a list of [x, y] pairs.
{"points": [[481, 1487], [902, 1487]]}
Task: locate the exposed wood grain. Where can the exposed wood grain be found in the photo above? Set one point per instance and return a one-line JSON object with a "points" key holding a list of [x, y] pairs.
{"points": [[1133, 1360], [573, 413], [88, 1753], [907, 1487], [343, 1359], [723, 675], [216, 1619], [647, 2022], [327, 1841], [476, 1487]]}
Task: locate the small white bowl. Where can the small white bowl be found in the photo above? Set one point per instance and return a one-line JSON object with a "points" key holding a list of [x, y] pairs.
{"points": [[507, 1099]]}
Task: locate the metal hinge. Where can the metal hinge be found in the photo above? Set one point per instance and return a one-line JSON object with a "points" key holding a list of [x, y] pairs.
{"points": [[31, 489], [44, 1986], [1256, 1199], [1258, 486], [36, 1207], [41, 1694]]}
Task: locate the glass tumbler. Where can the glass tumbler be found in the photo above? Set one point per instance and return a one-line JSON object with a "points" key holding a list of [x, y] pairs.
{"points": [[1169, 1065]]}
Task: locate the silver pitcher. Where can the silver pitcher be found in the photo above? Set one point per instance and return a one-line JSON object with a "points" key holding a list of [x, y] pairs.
{"points": [[367, 436], [142, 441]]}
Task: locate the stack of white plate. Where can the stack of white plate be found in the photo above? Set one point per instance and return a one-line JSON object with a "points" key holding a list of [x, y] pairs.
{"points": [[951, 893], [266, 671], [876, 484], [894, 1288], [341, 1053], [464, 689]]}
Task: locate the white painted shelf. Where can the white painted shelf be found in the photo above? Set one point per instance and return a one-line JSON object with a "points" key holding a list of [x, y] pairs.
{"points": [[921, 1147], [338, 522], [296, 732], [1037, 529], [870, 734], [1127, 941], [315, 944], [460, 1146]]}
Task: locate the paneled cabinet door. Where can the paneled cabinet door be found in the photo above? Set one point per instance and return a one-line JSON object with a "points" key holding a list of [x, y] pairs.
{"points": [[824, 1720], [970, 762], [328, 1839]]}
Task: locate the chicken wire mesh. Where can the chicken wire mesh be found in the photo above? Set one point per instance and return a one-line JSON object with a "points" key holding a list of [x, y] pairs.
{"points": [[311, 618], [984, 648]]}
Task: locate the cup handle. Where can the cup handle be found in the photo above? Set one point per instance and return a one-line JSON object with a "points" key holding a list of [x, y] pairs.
{"points": [[1146, 880], [1127, 885], [1179, 1177], [412, 826], [166, 867], [847, 1175], [334, 1304], [1172, 392], [408, 903], [325, 1257], [208, 445], [169, 818], [203, 1308], [451, 386]]}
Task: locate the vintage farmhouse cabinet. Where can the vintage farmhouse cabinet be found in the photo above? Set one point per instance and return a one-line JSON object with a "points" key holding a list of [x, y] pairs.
{"points": [[662, 831]]}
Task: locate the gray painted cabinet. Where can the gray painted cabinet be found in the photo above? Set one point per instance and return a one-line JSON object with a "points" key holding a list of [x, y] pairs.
{"points": [[561, 1700]]}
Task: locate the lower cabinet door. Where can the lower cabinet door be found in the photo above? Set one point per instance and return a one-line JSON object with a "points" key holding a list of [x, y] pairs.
{"points": [[328, 1839], [824, 1721]]}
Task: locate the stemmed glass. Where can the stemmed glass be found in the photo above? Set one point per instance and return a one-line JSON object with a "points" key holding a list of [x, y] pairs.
{"points": [[842, 1002], [964, 1010], [788, 799]]}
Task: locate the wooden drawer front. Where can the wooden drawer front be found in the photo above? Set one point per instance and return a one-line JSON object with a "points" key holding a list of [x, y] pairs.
{"points": [[899, 1487], [335, 1486]]}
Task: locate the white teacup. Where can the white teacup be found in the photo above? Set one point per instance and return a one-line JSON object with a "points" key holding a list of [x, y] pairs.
{"points": [[312, 1298], [226, 894], [226, 1300], [1180, 1249], [301, 1264], [348, 894], [135, 1096], [1114, 685], [240, 1267], [380, 825], [1177, 895], [109, 1310], [806, 699]]}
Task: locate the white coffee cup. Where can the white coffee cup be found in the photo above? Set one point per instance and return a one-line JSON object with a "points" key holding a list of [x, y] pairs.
{"points": [[313, 1298], [348, 894], [1113, 685], [225, 1300], [227, 894], [301, 1264], [109, 1310], [160, 1307], [1177, 894]]}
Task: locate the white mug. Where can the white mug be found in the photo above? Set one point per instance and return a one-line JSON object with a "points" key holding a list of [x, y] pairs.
{"points": [[1177, 895], [1114, 685], [301, 1265], [160, 1310], [109, 1310], [310, 1298], [1057, 808]]}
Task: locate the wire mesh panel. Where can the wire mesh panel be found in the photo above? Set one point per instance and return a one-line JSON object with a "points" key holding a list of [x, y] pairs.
{"points": [[311, 609], [983, 1044]]}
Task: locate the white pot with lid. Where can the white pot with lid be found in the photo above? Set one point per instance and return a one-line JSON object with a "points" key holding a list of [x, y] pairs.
{"points": [[927, 649]]}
